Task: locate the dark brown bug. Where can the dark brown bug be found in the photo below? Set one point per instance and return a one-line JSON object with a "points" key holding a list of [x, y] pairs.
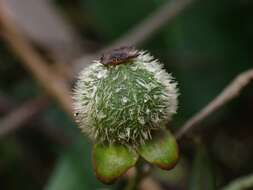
{"points": [[119, 56]]}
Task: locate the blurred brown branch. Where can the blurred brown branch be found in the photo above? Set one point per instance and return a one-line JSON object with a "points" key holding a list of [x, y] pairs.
{"points": [[137, 35], [31, 109], [152, 24], [245, 182], [43, 23], [22, 115], [54, 84], [229, 93]]}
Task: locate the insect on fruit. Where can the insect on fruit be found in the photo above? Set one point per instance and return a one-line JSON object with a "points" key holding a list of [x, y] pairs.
{"points": [[119, 56]]}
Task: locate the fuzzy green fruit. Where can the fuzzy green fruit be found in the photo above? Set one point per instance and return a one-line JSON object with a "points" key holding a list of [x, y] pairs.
{"points": [[124, 103]]}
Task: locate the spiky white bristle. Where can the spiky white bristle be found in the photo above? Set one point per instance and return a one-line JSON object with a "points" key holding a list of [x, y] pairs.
{"points": [[125, 103]]}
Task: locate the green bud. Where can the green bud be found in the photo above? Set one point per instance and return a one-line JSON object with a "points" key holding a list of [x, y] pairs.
{"points": [[110, 162], [161, 151]]}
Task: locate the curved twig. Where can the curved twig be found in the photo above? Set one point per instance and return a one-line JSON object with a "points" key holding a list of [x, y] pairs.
{"points": [[229, 93]]}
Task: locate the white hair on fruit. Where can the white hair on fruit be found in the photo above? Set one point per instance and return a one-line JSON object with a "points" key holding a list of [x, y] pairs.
{"points": [[125, 103]]}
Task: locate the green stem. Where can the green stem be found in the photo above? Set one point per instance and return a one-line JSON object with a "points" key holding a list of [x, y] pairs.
{"points": [[135, 181]]}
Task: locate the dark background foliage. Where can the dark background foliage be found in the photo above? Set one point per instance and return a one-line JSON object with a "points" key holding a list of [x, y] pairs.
{"points": [[205, 47]]}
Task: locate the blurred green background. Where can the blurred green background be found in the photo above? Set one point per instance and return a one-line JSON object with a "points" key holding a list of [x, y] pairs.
{"points": [[204, 47]]}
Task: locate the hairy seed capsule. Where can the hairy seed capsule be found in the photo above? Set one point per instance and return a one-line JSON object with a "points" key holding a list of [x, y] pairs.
{"points": [[124, 102]]}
